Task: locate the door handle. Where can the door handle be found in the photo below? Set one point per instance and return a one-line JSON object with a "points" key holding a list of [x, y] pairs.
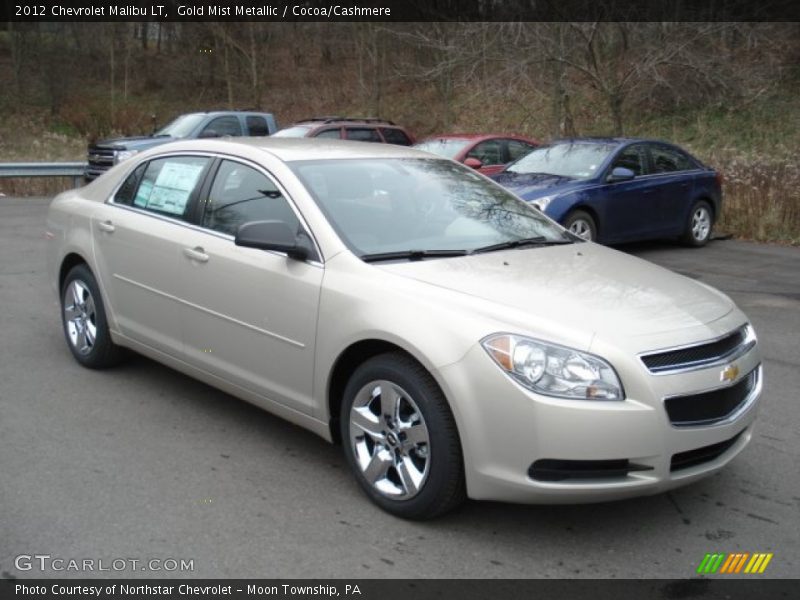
{"points": [[106, 226], [196, 254]]}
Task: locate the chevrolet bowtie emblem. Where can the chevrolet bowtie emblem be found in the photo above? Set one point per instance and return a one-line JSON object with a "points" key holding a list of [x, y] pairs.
{"points": [[729, 373]]}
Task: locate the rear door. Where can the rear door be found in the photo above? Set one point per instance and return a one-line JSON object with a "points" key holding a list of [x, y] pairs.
{"points": [[137, 243], [675, 174]]}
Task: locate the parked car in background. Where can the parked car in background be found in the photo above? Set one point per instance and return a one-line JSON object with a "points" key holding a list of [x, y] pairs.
{"points": [[454, 340], [347, 128], [620, 189], [105, 154], [485, 152]]}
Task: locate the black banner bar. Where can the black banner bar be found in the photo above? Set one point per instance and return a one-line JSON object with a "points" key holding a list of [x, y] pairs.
{"points": [[730, 588], [399, 10]]}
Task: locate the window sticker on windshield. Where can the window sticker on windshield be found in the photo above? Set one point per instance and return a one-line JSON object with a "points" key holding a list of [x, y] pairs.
{"points": [[172, 187]]}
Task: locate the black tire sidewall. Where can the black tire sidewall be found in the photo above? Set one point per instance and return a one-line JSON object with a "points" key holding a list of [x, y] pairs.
{"points": [[446, 465]]}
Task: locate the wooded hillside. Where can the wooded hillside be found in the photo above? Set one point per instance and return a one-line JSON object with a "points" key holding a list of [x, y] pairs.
{"points": [[727, 91]]}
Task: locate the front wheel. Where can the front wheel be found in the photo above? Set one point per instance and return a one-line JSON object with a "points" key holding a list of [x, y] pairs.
{"points": [[84, 320], [400, 438], [701, 222], [581, 224]]}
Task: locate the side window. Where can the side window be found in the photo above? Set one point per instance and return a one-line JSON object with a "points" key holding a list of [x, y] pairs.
{"points": [[488, 152], [223, 126], [667, 160], [362, 134], [257, 126], [518, 149], [127, 190], [241, 194], [630, 158], [395, 136], [332, 134], [168, 184]]}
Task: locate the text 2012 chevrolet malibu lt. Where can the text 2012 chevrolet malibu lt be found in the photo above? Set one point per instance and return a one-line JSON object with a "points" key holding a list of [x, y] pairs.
{"points": [[455, 340]]}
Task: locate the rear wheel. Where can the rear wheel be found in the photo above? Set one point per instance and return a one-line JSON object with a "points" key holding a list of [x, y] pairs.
{"points": [[400, 438], [581, 224], [84, 319], [701, 222]]}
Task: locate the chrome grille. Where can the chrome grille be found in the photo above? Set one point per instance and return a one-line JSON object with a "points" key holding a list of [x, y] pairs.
{"points": [[707, 408], [700, 355]]}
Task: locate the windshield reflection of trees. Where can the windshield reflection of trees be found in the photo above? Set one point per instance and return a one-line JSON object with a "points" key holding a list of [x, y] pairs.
{"points": [[567, 159], [451, 192]]}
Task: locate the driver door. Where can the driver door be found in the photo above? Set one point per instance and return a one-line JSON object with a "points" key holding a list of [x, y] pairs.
{"points": [[252, 314]]}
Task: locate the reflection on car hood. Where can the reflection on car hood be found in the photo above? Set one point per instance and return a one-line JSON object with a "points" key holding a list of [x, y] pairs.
{"points": [[583, 286], [530, 186]]}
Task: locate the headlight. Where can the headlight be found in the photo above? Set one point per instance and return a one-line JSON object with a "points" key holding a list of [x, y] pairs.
{"points": [[121, 155], [541, 203], [554, 370]]}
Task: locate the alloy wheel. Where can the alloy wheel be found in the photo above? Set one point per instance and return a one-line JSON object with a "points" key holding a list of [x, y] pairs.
{"points": [[390, 440], [80, 317], [701, 223]]}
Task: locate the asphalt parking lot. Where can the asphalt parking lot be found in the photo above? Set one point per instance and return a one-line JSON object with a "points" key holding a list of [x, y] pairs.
{"points": [[142, 462]]}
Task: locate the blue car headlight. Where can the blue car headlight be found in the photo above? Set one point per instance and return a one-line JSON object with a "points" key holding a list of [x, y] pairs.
{"points": [[541, 203]]}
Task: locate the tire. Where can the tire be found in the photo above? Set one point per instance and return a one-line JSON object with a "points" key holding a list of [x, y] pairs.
{"points": [[83, 317], [581, 224], [400, 438], [699, 225]]}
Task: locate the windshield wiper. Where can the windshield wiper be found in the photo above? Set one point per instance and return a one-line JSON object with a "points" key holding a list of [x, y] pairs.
{"points": [[520, 243], [411, 255]]}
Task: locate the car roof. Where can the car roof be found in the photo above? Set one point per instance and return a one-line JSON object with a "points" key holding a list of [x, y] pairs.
{"points": [[605, 140], [345, 121], [228, 112], [294, 149], [475, 136]]}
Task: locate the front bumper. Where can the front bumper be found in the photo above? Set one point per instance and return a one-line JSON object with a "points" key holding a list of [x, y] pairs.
{"points": [[505, 429]]}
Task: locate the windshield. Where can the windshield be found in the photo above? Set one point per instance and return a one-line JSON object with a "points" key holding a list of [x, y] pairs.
{"points": [[182, 126], [380, 206], [448, 148], [575, 160], [296, 131]]}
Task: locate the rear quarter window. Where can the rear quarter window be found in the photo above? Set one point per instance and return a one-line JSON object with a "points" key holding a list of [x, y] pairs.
{"points": [[257, 126], [668, 160], [395, 136], [127, 190]]}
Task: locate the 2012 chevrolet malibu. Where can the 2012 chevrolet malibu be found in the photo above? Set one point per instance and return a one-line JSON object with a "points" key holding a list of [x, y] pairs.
{"points": [[453, 339]]}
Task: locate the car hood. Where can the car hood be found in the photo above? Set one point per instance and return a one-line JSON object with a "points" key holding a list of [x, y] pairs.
{"points": [[139, 143], [582, 286], [530, 186]]}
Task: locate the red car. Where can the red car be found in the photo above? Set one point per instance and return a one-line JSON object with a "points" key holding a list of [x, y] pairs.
{"points": [[488, 153]]}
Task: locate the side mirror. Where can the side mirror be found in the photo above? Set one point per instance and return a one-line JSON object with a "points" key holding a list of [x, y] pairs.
{"points": [[208, 133], [473, 163], [620, 174], [272, 235]]}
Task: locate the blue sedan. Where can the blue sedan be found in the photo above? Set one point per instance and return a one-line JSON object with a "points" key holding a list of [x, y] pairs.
{"points": [[615, 190]]}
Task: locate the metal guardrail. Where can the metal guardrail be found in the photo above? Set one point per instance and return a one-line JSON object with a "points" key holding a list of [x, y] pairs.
{"points": [[44, 169]]}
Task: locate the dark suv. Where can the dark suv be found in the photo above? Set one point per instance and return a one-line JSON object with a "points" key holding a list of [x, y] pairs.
{"points": [[106, 153], [344, 128]]}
